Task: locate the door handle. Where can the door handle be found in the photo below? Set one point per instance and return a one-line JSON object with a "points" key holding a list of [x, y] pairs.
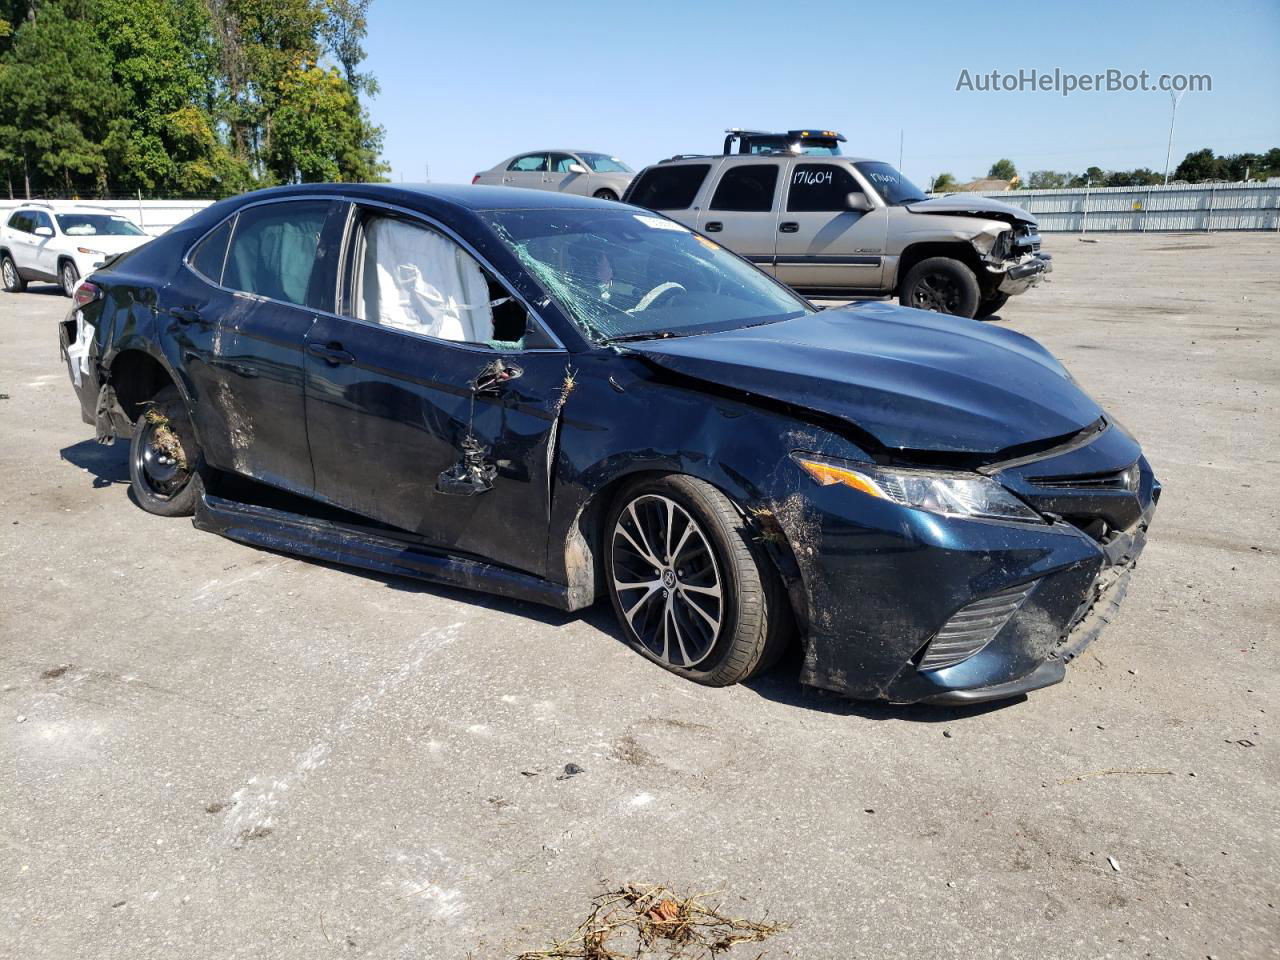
{"points": [[331, 353], [789, 226], [186, 315], [715, 226]]}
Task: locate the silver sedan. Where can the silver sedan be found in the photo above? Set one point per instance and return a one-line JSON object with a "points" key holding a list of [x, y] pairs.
{"points": [[584, 172]]}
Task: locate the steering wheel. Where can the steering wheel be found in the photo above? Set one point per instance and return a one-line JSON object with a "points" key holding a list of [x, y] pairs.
{"points": [[662, 291]]}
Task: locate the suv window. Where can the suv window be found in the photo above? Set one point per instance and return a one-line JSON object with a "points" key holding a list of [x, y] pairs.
{"points": [[207, 258], [668, 188], [820, 187], [529, 163], [274, 249], [747, 187], [40, 219], [21, 221]]}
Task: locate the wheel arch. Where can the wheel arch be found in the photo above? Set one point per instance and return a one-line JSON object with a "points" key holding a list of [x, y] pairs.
{"points": [[951, 249], [137, 374]]}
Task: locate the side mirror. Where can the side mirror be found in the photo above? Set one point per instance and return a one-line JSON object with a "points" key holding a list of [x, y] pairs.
{"points": [[858, 202], [44, 231], [577, 168]]}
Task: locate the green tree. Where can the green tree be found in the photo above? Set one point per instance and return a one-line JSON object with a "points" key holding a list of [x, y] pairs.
{"points": [[1047, 180], [943, 181], [1198, 166], [320, 133], [1003, 169]]}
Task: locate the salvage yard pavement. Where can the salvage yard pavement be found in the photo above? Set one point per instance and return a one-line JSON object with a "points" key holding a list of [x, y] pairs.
{"points": [[215, 751]]}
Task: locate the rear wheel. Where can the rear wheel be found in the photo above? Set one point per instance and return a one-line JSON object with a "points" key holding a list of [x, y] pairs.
{"points": [[994, 305], [690, 584], [70, 276], [605, 195], [942, 285], [163, 457], [13, 281]]}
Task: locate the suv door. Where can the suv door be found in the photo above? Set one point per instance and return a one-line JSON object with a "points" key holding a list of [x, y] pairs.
{"points": [[44, 249], [22, 241], [743, 210], [240, 314], [390, 395], [670, 189], [526, 171], [822, 244]]}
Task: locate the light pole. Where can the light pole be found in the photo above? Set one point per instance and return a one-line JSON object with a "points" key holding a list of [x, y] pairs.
{"points": [[1173, 115]]}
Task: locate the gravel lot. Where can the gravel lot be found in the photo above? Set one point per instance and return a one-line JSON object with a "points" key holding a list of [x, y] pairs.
{"points": [[214, 751]]}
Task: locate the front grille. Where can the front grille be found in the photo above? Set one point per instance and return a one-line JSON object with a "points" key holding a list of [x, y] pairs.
{"points": [[1126, 479], [973, 626]]}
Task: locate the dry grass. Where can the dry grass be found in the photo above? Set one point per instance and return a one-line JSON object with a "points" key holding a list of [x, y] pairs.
{"points": [[652, 921], [165, 438]]}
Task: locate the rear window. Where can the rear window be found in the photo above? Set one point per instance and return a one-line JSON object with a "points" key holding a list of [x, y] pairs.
{"points": [[668, 188], [206, 259], [274, 249], [748, 188]]}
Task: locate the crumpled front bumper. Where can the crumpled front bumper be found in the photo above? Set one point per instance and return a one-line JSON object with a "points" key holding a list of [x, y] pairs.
{"points": [[880, 582], [1024, 275]]}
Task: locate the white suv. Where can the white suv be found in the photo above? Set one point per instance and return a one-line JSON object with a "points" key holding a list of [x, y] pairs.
{"points": [[63, 244]]}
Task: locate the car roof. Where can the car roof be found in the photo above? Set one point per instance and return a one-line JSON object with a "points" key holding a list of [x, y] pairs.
{"points": [[428, 197], [806, 157]]}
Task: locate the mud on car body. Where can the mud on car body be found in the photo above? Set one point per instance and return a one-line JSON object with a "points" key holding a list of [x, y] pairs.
{"points": [[562, 399]]}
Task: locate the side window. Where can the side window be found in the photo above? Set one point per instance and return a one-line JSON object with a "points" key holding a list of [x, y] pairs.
{"points": [[207, 258], [820, 187], [274, 249], [21, 221], [41, 219], [560, 162], [413, 278], [668, 188], [529, 163], [747, 187]]}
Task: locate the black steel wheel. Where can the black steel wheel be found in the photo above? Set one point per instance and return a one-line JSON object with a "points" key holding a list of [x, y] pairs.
{"points": [[941, 285], [992, 306], [70, 276], [692, 589], [164, 458], [13, 281]]}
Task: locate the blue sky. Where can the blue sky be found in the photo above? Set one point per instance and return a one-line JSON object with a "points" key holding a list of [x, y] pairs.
{"points": [[466, 84]]}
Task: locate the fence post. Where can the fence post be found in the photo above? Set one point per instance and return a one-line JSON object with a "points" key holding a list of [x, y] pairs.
{"points": [[1208, 219], [1084, 216]]}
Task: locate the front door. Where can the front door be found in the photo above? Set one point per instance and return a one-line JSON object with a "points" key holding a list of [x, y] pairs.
{"points": [[44, 252], [743, 212], [392, 396], [241, 316], [821, 242]]}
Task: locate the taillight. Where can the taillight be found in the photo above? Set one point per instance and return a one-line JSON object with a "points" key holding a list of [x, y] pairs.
{"points": [[86, 293], [475, 179]]}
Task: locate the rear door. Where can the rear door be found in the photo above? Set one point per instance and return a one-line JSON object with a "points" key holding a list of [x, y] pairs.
{"points": [[241, 313], [672, 189], [821, 243], [743, 210], [526, 171], [390, 398], [22, 241]]}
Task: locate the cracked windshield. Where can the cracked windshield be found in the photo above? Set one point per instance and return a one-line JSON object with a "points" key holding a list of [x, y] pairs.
{"points": [[625, 275]]}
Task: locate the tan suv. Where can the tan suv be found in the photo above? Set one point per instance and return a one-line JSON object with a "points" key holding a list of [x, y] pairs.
{"points": [[833, 226]]}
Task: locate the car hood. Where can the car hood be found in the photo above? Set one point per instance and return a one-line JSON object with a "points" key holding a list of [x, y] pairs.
{"points": [[972, 205], [107, 243], [912, 380]]}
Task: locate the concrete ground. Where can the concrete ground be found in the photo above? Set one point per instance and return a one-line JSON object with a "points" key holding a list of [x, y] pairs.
{"points": [[214, 751]]}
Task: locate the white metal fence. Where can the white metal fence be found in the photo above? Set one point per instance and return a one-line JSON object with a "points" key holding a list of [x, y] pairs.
{"points": [[1180, 206], [153, 216]]}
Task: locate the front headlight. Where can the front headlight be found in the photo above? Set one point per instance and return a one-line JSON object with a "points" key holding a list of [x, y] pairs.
{"points": [[950, 493], [91, 253]]}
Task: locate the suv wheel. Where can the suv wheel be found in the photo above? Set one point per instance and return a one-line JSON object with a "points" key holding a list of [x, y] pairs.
{"points": [[942, 285], [994, 305], [13, 281], [70, 276]]}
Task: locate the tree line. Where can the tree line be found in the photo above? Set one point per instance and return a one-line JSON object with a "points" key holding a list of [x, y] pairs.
{"points": [[1199, 166], [183, 98]]}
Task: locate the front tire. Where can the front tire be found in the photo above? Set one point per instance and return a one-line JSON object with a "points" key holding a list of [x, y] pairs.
{"points": [[690, 584], [70, 276], [994, 305], [164, 458], [605, 195], [13, 281], [942, 285]]}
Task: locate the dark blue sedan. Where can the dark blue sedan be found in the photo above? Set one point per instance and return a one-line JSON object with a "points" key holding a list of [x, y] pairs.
{"points": [[559, 399]]}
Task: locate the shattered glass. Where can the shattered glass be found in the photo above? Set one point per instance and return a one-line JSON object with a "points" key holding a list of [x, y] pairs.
{"points": [[626, 274]]}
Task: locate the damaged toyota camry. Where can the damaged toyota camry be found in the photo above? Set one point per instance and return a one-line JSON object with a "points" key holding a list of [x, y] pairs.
{"points": [[559, 399]]}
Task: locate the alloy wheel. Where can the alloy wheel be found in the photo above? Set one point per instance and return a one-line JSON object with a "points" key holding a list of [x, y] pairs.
{"points": [[69, 279], [10, 278], [936, 292], [667, 580]]}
